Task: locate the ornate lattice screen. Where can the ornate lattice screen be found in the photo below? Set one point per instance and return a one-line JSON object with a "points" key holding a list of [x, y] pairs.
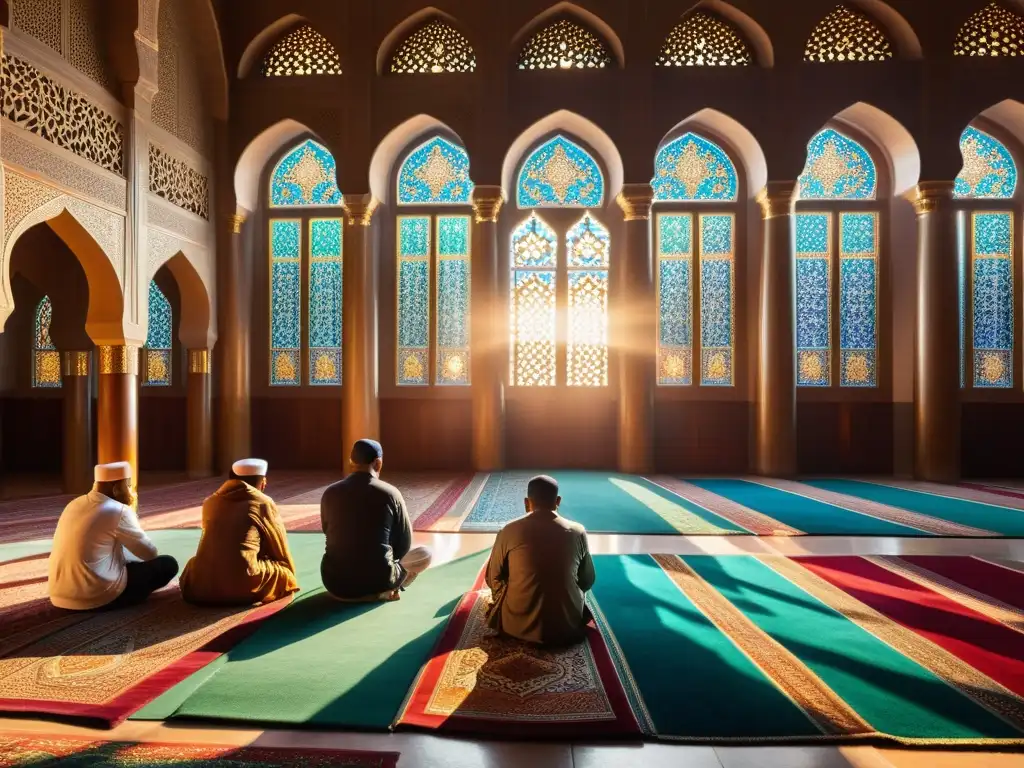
{"points": [[846, 35], [303, 51], [434, 48], [587, 247], [45, 357], [704, 40], [993, 31], [533, 304], [564, 45]]}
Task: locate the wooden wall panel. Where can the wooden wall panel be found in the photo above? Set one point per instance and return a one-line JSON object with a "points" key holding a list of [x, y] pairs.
{"points": [[990, 440], [295, 433], [162, 433], [32, 434], [426, 434], [844, 438], [563, 431], [702, 437]]}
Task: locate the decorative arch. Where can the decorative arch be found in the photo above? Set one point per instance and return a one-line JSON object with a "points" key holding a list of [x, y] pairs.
{"points": [[210, 47], [692, 167], [436, 46], [569, 124], [306, 177], [710, 35], [189, 265], [391, 148], [847, 34], [301, 52], [992, 31], [262, 42], [989, 169], [558, 174], [435, 173], [589, 22], [258, 154], [838, 168]]}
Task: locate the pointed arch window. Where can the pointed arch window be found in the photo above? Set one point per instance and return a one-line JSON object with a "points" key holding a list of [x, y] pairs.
{"points": [[837, 257], [987, 253], [45, 357], [434, 48], [306, 258], [704, 40], [558, 174], [159, 339], [303, 51], [564, 44], [847, 35], [435, 173], [992, 31]]}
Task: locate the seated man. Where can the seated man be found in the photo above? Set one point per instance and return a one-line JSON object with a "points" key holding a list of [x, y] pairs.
{"points": [[243, 555], [369, 537], [101, 557], [539, 570]]}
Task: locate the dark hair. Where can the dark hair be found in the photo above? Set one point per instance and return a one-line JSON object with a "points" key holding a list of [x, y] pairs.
{"points": [[252, 480], [543, 492]]}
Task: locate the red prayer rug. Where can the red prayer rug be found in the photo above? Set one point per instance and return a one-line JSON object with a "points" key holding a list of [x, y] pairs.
{"points": [[477, 682], [102, 667], [16, 752]]}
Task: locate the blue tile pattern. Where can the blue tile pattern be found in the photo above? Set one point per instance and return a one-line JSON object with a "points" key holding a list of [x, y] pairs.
{"points": [[306, 176], [285, 301], [413, 300], [500, 501], [813, 299], [435, 173], [675, 299], [453, 300], [158, 339], [858, 299], [675, 234], [46, 367], [693, 168], [838, 168], [557, 174], [992, 300], [717, 286], [989, 170], [325, 302]]}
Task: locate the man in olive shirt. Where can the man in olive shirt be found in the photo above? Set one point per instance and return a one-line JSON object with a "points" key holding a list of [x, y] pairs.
{"points": [[539, 571], [369, 536]]}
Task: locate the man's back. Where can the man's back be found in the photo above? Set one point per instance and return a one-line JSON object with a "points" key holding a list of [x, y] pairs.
{"points": [[368, 531], [540, 568]]}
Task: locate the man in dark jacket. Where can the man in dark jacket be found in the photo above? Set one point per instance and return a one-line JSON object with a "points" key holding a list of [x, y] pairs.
{"points": [[539, 572], [369, 536]]}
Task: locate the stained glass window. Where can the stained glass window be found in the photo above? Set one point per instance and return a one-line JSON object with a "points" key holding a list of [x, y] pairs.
{"points": [[533, 303], [704, 40], [45, 357], [838, 168], [285, 301], [433, 48], [989, 170], [564, 45], [858, 299], [992, 31], [413, 299], [325, 304], [306, 176], [435, 173], [453, 299], [560, 173], [813, 299], [158, 339], [693, 168], [717, 292], [675, 298], [992, 298], [303, 51], [847, 35], [587, 252]]}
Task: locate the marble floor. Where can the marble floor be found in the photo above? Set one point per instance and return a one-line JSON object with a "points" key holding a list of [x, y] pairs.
{"points": [[426, 751]]}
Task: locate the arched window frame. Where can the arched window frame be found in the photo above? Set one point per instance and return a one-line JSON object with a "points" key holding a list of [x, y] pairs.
{"points": [[887, 52], [468, 66], [746, 58], [694, 384], [835, 209], [968, 208], [46, 363], [1011, 46], [329, 52], [307, 219], [158, 354], [561, 219], [442, 370], [528, 38]]}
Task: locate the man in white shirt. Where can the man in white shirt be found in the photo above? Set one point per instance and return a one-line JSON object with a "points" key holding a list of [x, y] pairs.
{"points": [[101, 557]]}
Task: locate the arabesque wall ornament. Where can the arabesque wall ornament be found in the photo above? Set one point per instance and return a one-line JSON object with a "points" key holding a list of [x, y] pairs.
{"points": [[178, 183]]}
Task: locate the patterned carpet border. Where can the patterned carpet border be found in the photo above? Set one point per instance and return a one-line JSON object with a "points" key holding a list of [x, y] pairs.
{"points": [[443, 503], [18, 751], [474, 680]]}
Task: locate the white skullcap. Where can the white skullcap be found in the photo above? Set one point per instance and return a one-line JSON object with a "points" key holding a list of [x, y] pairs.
{"points": [[109, 473], [250, 468]]}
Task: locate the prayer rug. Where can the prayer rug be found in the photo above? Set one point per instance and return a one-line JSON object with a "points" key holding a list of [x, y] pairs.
{"points": [[101, 667], [760, 649], [477, 682], [25, 751]]}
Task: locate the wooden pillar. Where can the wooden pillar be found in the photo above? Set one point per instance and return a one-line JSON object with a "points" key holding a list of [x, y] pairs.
{"points": [[488, 383], [636, 333], [233, 345], [360, 406], [775, 430], [118, 406], [77, 389], [200, 414], [936, 362]]}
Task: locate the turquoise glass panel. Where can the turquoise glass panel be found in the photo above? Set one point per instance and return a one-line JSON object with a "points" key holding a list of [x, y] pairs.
{"points": [[306, 176], [285, 302], [435, 173], [717, 284], [992, 300], [453, 300], [693, 168], [989, 170], [325, 302], [413, 300], [560, 173], [838, 168], [858, 299], [813, 299]]}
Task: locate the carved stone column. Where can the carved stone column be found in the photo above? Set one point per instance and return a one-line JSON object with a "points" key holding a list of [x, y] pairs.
{"points": [[76, 385], [199, 404], [488, 383], [775, 430], [233, 347], [118, 406], [936, 363], [636, 334], [360, 405]]}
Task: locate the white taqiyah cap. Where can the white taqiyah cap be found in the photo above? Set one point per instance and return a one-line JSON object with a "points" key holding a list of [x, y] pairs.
{"points": [[109, 473], [250, 468]]}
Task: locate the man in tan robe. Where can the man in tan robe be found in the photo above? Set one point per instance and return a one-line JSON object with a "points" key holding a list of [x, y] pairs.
{"points": [[243, 555], [539, 572]]}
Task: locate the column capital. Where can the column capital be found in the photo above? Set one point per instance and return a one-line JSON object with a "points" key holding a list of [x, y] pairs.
{"points": [[235, 222], [120, 358], [359, 209], [777, 199], [75, 363], [487, 202], [199, 361], [635, 201], [927, 196]]}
